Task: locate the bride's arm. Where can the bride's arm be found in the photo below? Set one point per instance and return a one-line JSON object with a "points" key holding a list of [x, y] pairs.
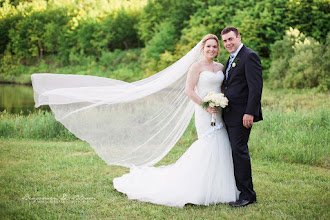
{"points": [[192, 80]]}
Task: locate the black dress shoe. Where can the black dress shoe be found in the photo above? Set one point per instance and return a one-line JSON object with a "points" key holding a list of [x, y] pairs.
{"points": [[241, 203]]}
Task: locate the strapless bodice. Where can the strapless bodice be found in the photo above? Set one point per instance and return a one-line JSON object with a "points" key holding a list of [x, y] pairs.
{"points": [[209, 82]]}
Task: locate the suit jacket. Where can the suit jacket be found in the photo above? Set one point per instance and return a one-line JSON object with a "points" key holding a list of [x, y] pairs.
{"points": [[243, 88]]}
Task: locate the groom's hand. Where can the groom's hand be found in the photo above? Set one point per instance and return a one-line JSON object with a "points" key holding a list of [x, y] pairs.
{"points": [[248, 120]]}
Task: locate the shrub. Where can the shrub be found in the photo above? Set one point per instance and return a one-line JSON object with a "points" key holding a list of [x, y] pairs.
{"points": [[163, 40], [299, 62]]}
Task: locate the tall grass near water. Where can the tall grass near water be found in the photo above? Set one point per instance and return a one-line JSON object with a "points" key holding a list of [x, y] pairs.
{"points": [[38, 125], [294, 129]]}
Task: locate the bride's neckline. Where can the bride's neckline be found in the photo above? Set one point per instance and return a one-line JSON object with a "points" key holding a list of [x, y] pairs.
{"points": [[215, 73]]}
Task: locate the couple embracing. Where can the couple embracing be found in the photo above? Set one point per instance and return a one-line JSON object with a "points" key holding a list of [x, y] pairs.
{"points": [[136, 124], [216, 168]]}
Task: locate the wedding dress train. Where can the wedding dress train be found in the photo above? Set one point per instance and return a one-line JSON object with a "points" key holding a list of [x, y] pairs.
{"points": [[203, 175]]}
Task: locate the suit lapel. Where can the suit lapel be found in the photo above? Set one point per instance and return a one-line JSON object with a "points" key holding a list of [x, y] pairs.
{"points": [[227, 64], [238, 56], [225, 80]]}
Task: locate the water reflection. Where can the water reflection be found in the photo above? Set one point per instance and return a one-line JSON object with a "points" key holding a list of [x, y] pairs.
{"points": [[17, 99]]}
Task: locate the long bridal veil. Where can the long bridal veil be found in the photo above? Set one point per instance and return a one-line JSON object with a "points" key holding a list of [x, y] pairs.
{"points": [[127, 124]]}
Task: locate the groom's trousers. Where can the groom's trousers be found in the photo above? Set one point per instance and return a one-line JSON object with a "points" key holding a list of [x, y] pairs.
{"points": [[239, 136]]}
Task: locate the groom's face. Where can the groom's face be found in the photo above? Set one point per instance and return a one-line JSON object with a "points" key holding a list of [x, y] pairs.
{"points": [[231, 41]]}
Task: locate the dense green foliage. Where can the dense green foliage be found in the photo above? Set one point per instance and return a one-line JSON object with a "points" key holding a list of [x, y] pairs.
{"points": [[118, 64], [62, 33], [300, 62]]}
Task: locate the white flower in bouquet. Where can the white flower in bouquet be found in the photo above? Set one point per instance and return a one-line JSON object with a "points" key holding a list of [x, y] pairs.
{"points": [[208, 97], [217, 101], [213, 99], [223, 102]]}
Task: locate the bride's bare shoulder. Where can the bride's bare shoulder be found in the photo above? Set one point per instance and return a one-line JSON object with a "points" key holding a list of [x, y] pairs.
{"points": [[196, 67], [197, 64], [219, 66]]}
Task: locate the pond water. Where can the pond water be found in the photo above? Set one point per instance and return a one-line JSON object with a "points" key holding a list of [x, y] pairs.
{"points": [[17, 99]]}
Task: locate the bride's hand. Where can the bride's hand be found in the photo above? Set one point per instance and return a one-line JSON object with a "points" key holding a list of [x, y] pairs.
{"points": [[212, 110]]}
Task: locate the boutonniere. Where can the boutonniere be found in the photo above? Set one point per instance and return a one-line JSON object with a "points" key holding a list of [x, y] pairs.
{"points": [[235, 62]]}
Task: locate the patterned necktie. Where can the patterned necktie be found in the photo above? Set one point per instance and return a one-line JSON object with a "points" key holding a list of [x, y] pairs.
{"points": [[231, 59]]}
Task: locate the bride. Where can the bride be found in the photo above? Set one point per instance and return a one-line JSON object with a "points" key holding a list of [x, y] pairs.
{"points": [[204, 174], [136, 124]]}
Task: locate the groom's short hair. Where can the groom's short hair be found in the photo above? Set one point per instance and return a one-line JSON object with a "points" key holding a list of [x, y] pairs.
{"points": [[228, 29]]}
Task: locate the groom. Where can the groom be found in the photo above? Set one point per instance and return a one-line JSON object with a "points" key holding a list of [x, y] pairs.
{"points": [[243, 87]]}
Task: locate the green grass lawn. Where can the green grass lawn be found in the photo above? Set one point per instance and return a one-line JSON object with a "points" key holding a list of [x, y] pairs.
{"points": [[46, 173], [66, 180]]}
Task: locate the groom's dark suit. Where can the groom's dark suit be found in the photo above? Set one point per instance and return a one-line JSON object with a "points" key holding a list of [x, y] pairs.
{"points": [[243, 89]]}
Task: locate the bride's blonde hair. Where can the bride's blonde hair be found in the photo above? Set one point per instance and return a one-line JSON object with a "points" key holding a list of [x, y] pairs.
{"points": [[208, 37]]}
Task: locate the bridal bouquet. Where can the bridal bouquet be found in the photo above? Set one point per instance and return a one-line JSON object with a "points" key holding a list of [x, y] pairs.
{"points": [[213, 99]]}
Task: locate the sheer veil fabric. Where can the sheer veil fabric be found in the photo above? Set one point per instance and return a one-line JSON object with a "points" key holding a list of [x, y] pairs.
{"points": [[127, 124]]}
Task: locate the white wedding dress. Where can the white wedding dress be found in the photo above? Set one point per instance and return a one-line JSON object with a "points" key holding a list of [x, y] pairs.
{"points": [[203, 175]]}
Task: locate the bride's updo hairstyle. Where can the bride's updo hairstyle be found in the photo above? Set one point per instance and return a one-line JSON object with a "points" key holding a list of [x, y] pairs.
{"points": [[208, 37]]}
